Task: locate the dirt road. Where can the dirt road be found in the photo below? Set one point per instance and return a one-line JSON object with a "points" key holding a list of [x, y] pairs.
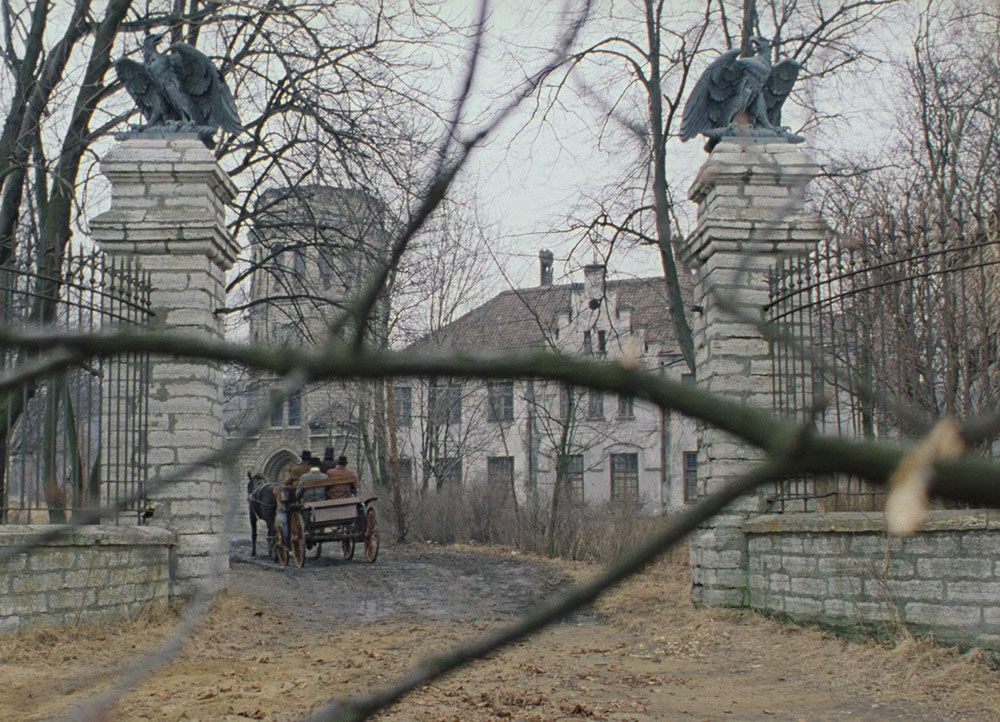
{"points": [[283, 640]]}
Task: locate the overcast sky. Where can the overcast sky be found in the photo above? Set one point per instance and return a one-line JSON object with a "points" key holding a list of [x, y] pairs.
{"points": [[532, 175]]}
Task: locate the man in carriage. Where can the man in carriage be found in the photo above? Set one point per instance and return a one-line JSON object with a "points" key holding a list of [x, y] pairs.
{"points": [[343, 481]]}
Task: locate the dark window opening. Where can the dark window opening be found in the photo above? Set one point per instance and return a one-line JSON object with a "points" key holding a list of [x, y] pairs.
{"points": [[500, 471], [295, 409], [402, 404], [624, 477], [690, 476], [572, 484], [501, 399]]}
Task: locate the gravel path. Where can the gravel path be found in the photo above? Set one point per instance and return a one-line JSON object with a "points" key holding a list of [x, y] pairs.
{"points": [[404, 582]]}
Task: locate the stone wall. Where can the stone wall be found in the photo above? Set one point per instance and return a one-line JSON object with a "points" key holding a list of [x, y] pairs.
{"points": [[840, 570], [83, 574]]}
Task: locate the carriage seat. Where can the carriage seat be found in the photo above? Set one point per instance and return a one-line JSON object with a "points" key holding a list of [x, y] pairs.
{"points": [[314, 490]]}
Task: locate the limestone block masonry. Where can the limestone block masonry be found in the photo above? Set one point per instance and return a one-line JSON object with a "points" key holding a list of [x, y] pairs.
{"points": [[751, 210], [82, 575], [840, 570], [168, 205]]}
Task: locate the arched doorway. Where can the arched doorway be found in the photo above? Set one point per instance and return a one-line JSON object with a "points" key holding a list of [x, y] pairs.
{"points": [[276, 468]]}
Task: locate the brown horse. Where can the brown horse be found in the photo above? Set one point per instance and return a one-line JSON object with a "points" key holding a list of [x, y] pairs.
{"points": [[262, 503]]}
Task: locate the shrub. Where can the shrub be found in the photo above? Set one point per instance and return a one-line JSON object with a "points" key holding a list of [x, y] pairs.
{"points": [[485, 514]]}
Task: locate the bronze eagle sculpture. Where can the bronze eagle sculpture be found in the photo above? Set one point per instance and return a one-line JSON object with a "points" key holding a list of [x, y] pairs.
{"points": [[740, 97], [178, 91]]}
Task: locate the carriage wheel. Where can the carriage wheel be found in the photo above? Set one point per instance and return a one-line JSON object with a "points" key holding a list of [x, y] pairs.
{"points": [[371, 537], [348, 546], [297, 538]]}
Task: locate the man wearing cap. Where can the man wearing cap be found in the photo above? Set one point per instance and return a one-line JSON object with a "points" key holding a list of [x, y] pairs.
{"points": [[299, 469]]}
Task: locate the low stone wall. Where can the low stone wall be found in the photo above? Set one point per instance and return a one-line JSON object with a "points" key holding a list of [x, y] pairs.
{"points": [[84, 574], [840, 570]]}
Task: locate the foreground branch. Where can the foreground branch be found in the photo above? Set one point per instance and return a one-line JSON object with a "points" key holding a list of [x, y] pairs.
{"points": [[973, 479]]}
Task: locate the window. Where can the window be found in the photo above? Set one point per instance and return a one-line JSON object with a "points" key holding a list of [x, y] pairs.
{"points": [[588, 347], [446, 404], [500, 471], [567, 402], [326, 266], [501, 397], [602, 342], [299, 263], [624, 477], [294, 406], [405, 467], [690, 476], [595, 404], [295, 409], [449, 470], [626, 406], [572, 466], [402, 404]]}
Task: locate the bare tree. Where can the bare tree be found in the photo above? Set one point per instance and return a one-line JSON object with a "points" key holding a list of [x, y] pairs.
{"points": [[789, 447], [635, 80], [919, 233], [291, 68]]}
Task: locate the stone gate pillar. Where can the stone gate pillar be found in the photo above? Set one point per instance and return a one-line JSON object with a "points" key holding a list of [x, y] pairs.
{"points": [[750, 198], [168, 202]]}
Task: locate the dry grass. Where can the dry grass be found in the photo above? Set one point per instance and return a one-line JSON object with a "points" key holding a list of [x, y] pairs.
{"points": [[648, 645], [484, 514]]}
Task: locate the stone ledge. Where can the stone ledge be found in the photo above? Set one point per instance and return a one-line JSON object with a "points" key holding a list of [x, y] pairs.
{"points": [[854, 522], [18, 534]]}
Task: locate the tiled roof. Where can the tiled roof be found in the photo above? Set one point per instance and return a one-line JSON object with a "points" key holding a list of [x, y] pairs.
{"points": [[526, 318]]}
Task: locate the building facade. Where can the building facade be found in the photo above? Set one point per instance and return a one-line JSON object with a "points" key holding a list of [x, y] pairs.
{"points": [[532, 436], [313, 249]]}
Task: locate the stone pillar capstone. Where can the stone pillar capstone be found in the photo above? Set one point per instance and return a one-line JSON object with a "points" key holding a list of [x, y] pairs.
{"points": [[751, 210], [168, 203]]}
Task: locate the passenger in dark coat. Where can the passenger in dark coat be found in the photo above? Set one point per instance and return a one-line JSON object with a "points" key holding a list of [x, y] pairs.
{"points": [[342, 479]]}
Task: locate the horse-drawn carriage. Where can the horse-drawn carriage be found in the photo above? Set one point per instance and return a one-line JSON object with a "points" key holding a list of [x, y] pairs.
{"points": [[317, 512]]}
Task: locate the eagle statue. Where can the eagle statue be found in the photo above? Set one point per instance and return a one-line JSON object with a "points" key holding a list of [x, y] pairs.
{"points": [[178, 91], [741, 97]]}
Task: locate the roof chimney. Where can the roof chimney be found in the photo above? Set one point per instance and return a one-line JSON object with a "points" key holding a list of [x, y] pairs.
{"points": [[593, 284], [545, 267]]}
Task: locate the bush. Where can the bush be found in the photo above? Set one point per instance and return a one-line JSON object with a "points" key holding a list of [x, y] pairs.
{"points": [[485, 514]]}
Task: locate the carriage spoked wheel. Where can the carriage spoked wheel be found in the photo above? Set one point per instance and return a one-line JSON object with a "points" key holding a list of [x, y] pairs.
{"points": [[297, 538], [371, 537], [348, 548]]}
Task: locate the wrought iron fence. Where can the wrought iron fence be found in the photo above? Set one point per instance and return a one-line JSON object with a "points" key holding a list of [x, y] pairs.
{"points": [[887, 337], [76, 439]]}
